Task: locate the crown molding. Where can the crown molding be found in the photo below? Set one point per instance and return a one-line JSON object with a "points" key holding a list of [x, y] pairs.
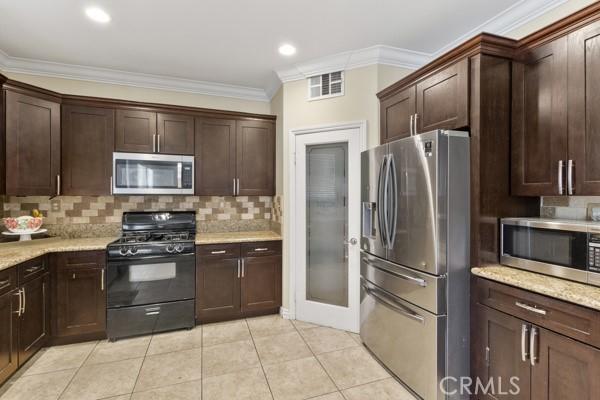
{"points": [[117, 77], [379, 54], [513, 17]]}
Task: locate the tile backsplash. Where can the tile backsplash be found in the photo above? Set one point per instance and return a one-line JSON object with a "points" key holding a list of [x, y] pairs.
{"points": [[569, 207], [76, 215]]}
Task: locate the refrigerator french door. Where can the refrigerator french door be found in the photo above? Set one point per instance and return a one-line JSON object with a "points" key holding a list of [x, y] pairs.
{"points": [[415, 260]]}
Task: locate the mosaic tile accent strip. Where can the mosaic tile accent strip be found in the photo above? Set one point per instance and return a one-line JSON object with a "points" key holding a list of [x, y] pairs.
{"points": [[569, 207], [109, 209]]}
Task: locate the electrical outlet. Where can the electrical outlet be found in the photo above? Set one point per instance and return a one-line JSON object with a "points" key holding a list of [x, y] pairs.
{"points": [[55, 205]]}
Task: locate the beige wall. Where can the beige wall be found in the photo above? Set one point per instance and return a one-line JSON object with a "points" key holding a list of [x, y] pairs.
{"points": [[122, 92], [546, 19]]}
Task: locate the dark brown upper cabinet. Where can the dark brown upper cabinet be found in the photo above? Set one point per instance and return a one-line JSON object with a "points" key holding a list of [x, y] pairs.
{"points": [[443, 99], [397, 114], [88, 142], [32, 145], [136, 131], [175, 134], [584, 106], [215, 157], [539, 120], [255, 160], [151, 132]]}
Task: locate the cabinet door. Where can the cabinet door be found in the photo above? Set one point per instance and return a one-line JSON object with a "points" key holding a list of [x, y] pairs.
{"points": [[80, 297], [215, 157], [135, 131], [32, 145], [9, 323], [217, 289], [539, 120], [175, 134], [443, 99], [396, 113], [35, 321], [497, 355], [261, 283], [565, 370], [584, 103], [255, 158], [88, 142]]}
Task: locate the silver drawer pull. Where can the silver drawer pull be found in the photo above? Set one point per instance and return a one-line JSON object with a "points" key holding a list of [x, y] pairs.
{"points": [[33, 269], [153, 313], [530, 308], [261, 249], [218, 252], [393, 305], [417, 281], [5, 282]]}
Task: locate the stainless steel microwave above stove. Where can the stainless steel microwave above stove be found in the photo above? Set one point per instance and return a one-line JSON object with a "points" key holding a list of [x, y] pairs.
{"points": [[139, 173], [562, 248]]}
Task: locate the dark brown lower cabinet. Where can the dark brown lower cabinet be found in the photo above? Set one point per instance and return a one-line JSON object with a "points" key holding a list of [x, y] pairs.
{"points": [[542, 364], [235, 281], [79, 297], [9, 331], [34, 325]]}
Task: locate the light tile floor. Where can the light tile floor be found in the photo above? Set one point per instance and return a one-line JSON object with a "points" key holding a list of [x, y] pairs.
{"points": [[253, 359]]}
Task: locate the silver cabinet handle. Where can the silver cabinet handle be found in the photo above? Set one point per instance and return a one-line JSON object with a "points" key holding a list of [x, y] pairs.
{"points": [[412, 279], [18, 312], [218, 252], [532, 344], [265, 248], [153, 313], [243, 268], [239, 267], [234, 186], [102, 281], [158, 143], [533, 309], [237, 191], [393, 305], [58, 185], [24, 300], [570, 189], [560, 177], [411, 124], [416, 117], [111, 185], [4, 283], [524, 350], [154, 143], [33, 269]]}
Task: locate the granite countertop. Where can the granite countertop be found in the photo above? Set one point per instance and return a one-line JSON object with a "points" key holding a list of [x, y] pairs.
{"points": [[573, 292], [236, 237], [13, 253]]}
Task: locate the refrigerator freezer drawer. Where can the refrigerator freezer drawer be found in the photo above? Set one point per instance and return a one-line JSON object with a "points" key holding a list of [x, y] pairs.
{"points": [[409, 341], [424, 290]]}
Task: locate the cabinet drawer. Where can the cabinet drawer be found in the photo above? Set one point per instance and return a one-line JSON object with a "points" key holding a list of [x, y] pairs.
{"points": [[568, 319], [32, 269], [215, 251], [257, 249], [8, 280]]}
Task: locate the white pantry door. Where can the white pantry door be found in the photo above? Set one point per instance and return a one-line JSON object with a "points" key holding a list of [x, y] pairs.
{"points": [[327, 213]]}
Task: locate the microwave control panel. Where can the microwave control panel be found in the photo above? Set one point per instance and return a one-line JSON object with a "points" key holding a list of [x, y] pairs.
{"points": [[594, 253]]}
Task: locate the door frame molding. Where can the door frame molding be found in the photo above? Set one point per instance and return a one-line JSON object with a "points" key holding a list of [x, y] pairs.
{"points": [[361, 125]]}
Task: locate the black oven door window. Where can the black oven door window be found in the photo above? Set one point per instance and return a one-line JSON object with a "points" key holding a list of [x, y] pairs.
{"points": [[564, 248], [153, 280]]}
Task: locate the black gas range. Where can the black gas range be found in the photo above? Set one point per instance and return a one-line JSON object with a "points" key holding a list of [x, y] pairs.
{"points": [[151, 274]]}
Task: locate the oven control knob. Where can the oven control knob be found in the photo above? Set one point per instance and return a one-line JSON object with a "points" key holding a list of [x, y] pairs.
{"points": [[123, 251], [170, 248], [179, 248], [133, 250]]}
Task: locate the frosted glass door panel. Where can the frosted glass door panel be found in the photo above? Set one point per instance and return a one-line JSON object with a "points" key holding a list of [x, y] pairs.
{"points": [[327, 223]]}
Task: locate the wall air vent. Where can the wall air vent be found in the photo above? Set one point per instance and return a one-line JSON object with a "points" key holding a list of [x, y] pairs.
{"points": [[326, 85]]}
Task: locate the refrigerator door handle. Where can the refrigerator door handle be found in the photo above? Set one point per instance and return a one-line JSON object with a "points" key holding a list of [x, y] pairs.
{"points": [[380, 210], [394, 201], [386, 202]]}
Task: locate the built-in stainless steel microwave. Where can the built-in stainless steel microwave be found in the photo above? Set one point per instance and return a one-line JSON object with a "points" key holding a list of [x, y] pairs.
{"points": [[562, 248], [137, 173]]}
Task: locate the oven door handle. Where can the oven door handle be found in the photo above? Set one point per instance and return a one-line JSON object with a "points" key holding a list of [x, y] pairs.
{"points": [[122, 260]]}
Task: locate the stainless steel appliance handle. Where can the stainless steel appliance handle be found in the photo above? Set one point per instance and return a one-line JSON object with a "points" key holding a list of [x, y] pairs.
{"points": [[386, 200], [524, 349], [411, 124], [18, 312], [179, 175], [560, 177], [394, 201], [533, 309], [380, 202], [532, 344], [24, 302], [416, 281], [393, 305], [570, 188]]}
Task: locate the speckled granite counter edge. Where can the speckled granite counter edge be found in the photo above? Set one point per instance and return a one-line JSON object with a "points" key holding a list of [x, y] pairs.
{"points": [[236, 237], [572, 292]]}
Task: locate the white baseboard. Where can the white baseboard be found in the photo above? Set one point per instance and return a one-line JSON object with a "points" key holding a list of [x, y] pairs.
{"points": [[284, 312]]}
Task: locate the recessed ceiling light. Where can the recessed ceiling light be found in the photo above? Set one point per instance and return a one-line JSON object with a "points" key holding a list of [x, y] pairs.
{"points": [[287, 50], [97, 14]]}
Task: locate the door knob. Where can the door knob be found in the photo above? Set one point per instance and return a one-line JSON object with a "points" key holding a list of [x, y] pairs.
{"points": [[352, 241]]}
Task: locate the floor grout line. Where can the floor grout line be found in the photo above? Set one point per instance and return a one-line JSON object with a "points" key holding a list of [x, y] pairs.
{"points": [[141, 366], [262, 367], [78, 369]]}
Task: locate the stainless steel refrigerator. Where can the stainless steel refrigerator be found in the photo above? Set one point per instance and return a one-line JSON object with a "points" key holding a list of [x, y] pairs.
{"points": [[415, 260]]}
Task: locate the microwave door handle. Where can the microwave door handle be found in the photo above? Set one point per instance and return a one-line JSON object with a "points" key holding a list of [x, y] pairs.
{"points": [[179, 173]]}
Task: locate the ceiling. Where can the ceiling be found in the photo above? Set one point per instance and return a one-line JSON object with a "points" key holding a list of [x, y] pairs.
{"points": [[232, 42]]}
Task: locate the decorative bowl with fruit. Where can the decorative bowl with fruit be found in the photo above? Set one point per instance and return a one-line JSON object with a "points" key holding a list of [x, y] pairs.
{"points": [[23, 225]]}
